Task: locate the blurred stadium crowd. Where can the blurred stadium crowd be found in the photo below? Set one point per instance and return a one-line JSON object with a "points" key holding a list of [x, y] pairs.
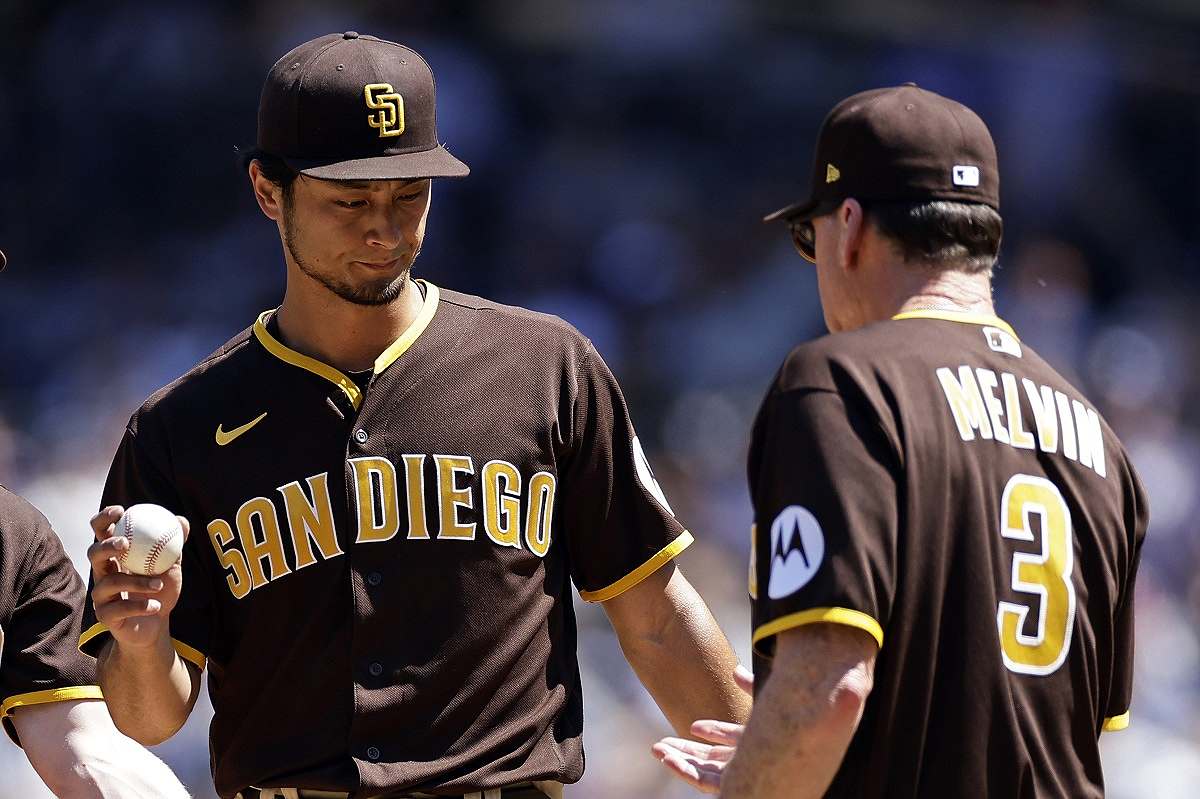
{"points": [[622, 153]]}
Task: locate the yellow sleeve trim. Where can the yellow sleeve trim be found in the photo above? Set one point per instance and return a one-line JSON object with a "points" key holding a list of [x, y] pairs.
{"points": [[1116, 723], [188, 653], [46, 697], [959, 316], [90, 633], [660, 559], [850, 618]]}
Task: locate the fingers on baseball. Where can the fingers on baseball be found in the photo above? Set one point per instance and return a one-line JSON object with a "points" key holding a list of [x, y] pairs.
{"points": [[105, 554], [718, 732], [122, 585], [104, 522], [185, 525], [111, 614]]}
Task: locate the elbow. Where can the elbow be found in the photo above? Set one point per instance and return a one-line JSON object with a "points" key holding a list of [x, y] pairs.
{"points": [[849, 697]]}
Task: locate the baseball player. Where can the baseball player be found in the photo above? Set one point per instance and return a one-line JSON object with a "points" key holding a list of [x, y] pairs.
{"points": [[946, 531], [49, 701], [392, 487]]}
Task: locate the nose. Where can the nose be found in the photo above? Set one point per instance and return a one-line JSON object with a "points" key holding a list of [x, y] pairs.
{"points": [[388, 229]]}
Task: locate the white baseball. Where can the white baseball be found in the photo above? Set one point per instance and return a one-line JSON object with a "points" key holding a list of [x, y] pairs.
{"points": [[155, 539]]}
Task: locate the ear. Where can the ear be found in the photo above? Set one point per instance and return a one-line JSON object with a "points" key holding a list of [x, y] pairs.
{"points": [[268, 194], [852, 227]]}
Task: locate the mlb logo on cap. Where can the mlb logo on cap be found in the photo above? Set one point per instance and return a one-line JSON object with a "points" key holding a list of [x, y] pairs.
{"points": [[965, 175]]}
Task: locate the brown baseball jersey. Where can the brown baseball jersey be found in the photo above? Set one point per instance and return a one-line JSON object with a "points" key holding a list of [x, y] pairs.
{"points": [[379, 572], [41, 600], [932, 481]]}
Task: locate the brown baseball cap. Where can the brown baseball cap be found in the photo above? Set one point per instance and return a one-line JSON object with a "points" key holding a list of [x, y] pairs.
{"points": [[352, 107], [899, 144]]}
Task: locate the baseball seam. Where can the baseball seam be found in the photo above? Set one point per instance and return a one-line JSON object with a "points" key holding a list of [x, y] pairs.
{"points": [[123, 558], [156, 550]]}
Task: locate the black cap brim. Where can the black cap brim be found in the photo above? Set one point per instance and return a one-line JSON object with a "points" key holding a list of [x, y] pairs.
{"points": [[435, 163], [803, 211]]}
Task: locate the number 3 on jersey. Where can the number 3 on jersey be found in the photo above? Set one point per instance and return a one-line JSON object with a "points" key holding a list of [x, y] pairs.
{"points": [[1047, 574]]}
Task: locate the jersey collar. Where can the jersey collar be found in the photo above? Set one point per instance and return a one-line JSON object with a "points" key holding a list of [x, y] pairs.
{"points": [[963, 317], [335, 376]]}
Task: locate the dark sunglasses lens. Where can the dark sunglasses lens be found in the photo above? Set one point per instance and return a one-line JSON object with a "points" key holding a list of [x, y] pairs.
{"points": [[802, 238]]}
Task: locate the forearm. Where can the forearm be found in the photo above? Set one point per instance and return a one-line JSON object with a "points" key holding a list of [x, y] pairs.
{"points": [[804, 718], [684, 660], [78, 753], [149, 691], [121, 767]]}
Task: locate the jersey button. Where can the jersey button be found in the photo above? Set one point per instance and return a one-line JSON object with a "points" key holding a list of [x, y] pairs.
{"points": [[375, 668], [373, 753], [360, 436], [374, 578]]}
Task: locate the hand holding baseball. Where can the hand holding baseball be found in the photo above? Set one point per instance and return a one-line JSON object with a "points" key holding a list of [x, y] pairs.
{"points": [[138, 576]]}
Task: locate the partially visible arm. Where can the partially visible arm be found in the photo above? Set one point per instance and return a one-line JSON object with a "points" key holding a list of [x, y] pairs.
{"points": [[805, 714], [76, 750], [677, 650], [149, 688], [152, 690]]}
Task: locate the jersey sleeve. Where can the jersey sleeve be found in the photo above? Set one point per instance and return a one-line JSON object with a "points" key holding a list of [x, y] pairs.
{"points": [[618, 524], [1120, 695], [39, 662], [824, 485], [135, 477]]}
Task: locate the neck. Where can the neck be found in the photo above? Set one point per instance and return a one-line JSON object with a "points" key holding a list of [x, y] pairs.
{"points": [[349, 337], [944, 291]]}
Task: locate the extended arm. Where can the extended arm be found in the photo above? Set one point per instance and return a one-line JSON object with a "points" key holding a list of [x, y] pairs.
{"points": [[677, 650], [805, 714], [77, 752]]}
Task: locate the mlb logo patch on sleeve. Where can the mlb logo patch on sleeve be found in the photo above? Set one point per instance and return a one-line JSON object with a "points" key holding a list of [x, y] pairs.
{"points": [[797, 548]]}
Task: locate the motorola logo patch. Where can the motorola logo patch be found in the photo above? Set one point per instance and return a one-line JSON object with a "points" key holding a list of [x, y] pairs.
{"points": [[797, 548], [646, 476]]}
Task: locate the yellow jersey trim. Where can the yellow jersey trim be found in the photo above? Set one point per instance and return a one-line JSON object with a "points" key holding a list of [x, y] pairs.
{"points": [[90, 633], [960, 316], [1116, 723], [289, 355], [188, 653], [401, 345], [656, 562], [850, 618], [46, 697], [336, 376]]}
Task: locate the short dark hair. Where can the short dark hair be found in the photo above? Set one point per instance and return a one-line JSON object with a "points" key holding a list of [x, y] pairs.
{"points": [[274, 168], [949, 235]]}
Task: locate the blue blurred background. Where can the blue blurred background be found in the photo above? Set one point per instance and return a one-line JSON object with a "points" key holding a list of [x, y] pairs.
{"points": [[622, 152]]}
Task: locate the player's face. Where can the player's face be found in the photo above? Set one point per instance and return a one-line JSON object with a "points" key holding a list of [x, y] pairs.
{"points": [[356, 238]]}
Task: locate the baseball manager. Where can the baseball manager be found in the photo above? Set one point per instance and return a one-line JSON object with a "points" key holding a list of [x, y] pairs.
{"points": [[392, 486], [947, 533]]}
